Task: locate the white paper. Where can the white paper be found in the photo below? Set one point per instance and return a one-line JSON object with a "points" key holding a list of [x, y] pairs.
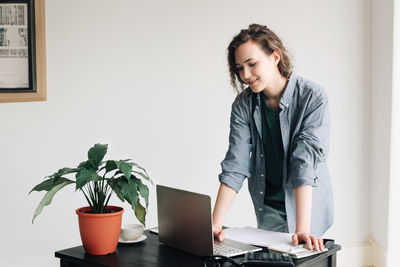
{"points": [[296, 252], [253, 236], [276, 241], [14, 63]]}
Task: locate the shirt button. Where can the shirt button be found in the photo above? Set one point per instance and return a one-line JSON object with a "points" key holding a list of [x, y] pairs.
{"points": [[261, 192], [262, 155], [262, 175], [260, 209]]}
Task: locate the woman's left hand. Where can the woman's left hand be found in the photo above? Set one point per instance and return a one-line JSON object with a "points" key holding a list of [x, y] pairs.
{"points": [[309, 239]]}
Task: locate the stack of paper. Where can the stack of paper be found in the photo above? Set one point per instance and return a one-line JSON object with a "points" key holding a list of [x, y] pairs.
{"points": [[276, 241], [253, 236]]}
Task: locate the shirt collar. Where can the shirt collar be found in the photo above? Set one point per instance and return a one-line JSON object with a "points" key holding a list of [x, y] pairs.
{"points": [[287, 94]]}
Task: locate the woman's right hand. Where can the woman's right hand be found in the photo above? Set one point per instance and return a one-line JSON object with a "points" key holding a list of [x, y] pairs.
{"points": [[219, 234]]}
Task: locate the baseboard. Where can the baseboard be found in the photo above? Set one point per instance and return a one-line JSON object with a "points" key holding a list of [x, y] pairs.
{"points": [[363, 254], [380, 254], [355, 255], [39, 261]]}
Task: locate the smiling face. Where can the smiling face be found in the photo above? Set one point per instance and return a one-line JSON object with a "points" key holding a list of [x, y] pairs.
{"points": [[256, 68]]}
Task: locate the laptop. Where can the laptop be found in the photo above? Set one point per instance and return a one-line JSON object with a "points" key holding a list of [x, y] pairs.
{"points": [[185, 223]]}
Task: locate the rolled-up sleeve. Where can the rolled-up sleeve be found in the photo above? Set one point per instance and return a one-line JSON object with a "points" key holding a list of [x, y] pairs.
{"points": [[311, 144], [236, 165]]}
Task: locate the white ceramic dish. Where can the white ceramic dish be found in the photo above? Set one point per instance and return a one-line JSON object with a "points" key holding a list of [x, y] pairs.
{"points": [[140, 239], [132, 231]]}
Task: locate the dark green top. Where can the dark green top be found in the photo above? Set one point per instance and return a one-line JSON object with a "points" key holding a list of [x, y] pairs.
{"points": [[273, 151]]}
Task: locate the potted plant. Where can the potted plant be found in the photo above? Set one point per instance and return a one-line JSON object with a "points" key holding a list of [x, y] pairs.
{"points": [[99, 223]]}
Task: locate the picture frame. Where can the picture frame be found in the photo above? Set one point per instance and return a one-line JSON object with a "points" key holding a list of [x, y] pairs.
{"points": [[22, 51]]}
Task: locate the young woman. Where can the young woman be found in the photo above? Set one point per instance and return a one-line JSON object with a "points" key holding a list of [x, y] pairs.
{"points": [[279, 141]]}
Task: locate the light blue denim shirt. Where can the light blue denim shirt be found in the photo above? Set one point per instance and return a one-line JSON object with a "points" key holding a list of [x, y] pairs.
{"points": [[304, 120]]}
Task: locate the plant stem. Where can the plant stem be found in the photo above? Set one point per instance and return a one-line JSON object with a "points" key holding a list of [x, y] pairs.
{"points": [[87, 199]]}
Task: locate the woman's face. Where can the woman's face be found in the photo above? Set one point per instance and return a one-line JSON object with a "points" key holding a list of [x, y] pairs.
{"points": [[255, 67]]}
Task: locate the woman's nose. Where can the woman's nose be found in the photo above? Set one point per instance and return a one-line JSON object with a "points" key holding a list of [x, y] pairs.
{"points": [[246, 73]]}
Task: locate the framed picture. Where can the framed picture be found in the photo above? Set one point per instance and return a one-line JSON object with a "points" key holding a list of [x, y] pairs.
{"points": [[22, 51]]}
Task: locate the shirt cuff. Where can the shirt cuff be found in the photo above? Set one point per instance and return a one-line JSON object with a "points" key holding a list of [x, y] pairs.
{"points": [[233, 180], [303, 176]]}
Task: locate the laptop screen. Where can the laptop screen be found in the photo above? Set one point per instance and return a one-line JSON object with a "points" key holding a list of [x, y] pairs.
{"points": [[184, 220]]}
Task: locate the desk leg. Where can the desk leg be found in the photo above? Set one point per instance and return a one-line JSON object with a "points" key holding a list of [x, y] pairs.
{"points": [[332, 260]]}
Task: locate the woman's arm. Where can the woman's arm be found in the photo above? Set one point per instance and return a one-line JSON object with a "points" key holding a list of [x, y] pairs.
{"points": [[236, 164], [303, 199], [225, 197], [310, 147]]}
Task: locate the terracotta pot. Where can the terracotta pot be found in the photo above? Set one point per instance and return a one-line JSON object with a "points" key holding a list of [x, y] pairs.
{"points": [[100, 231]]}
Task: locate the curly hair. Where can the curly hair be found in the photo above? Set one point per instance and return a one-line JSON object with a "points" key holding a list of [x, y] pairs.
{"points": [[268, 41]]}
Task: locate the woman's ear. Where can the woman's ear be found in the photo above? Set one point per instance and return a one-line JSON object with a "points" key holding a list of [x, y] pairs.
{"points": [[276, 56]]}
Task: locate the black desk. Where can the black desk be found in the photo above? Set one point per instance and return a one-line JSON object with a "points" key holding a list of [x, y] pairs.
{"points": [[153, 253]]}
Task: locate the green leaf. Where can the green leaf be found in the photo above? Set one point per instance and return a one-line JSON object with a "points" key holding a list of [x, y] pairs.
{"points": [[96, 154], [137, 166], [144, 176], [129, 191], [110, 165], [48, 184], [85, 165], [113, 183], [85, 176], [140, 213], [124, 167], [48, 198], [62, 172], [143, 189]]}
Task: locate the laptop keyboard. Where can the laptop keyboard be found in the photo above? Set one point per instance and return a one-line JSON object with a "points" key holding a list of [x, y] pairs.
{"points": [[224, 250]]}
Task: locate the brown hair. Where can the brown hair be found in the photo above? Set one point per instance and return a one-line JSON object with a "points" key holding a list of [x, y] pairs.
{"points": [[268, 41]]}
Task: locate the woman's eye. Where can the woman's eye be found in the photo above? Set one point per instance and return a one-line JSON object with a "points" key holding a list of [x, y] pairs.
{"points": [[252, 64]]}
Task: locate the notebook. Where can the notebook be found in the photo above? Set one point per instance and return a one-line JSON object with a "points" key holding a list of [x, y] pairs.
{"points": [[185, 223]]}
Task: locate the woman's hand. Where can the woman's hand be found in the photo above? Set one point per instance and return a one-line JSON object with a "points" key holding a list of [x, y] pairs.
{"points": [[303, 199], [309, 239], [219, 234]]}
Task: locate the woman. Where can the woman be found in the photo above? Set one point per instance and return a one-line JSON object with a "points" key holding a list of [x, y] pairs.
{"points": [[279, 140]]}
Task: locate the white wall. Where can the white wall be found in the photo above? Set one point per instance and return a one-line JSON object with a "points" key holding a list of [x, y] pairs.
{"points": [[381, 67], [151, 80], [385, 101], [394, 199]]}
